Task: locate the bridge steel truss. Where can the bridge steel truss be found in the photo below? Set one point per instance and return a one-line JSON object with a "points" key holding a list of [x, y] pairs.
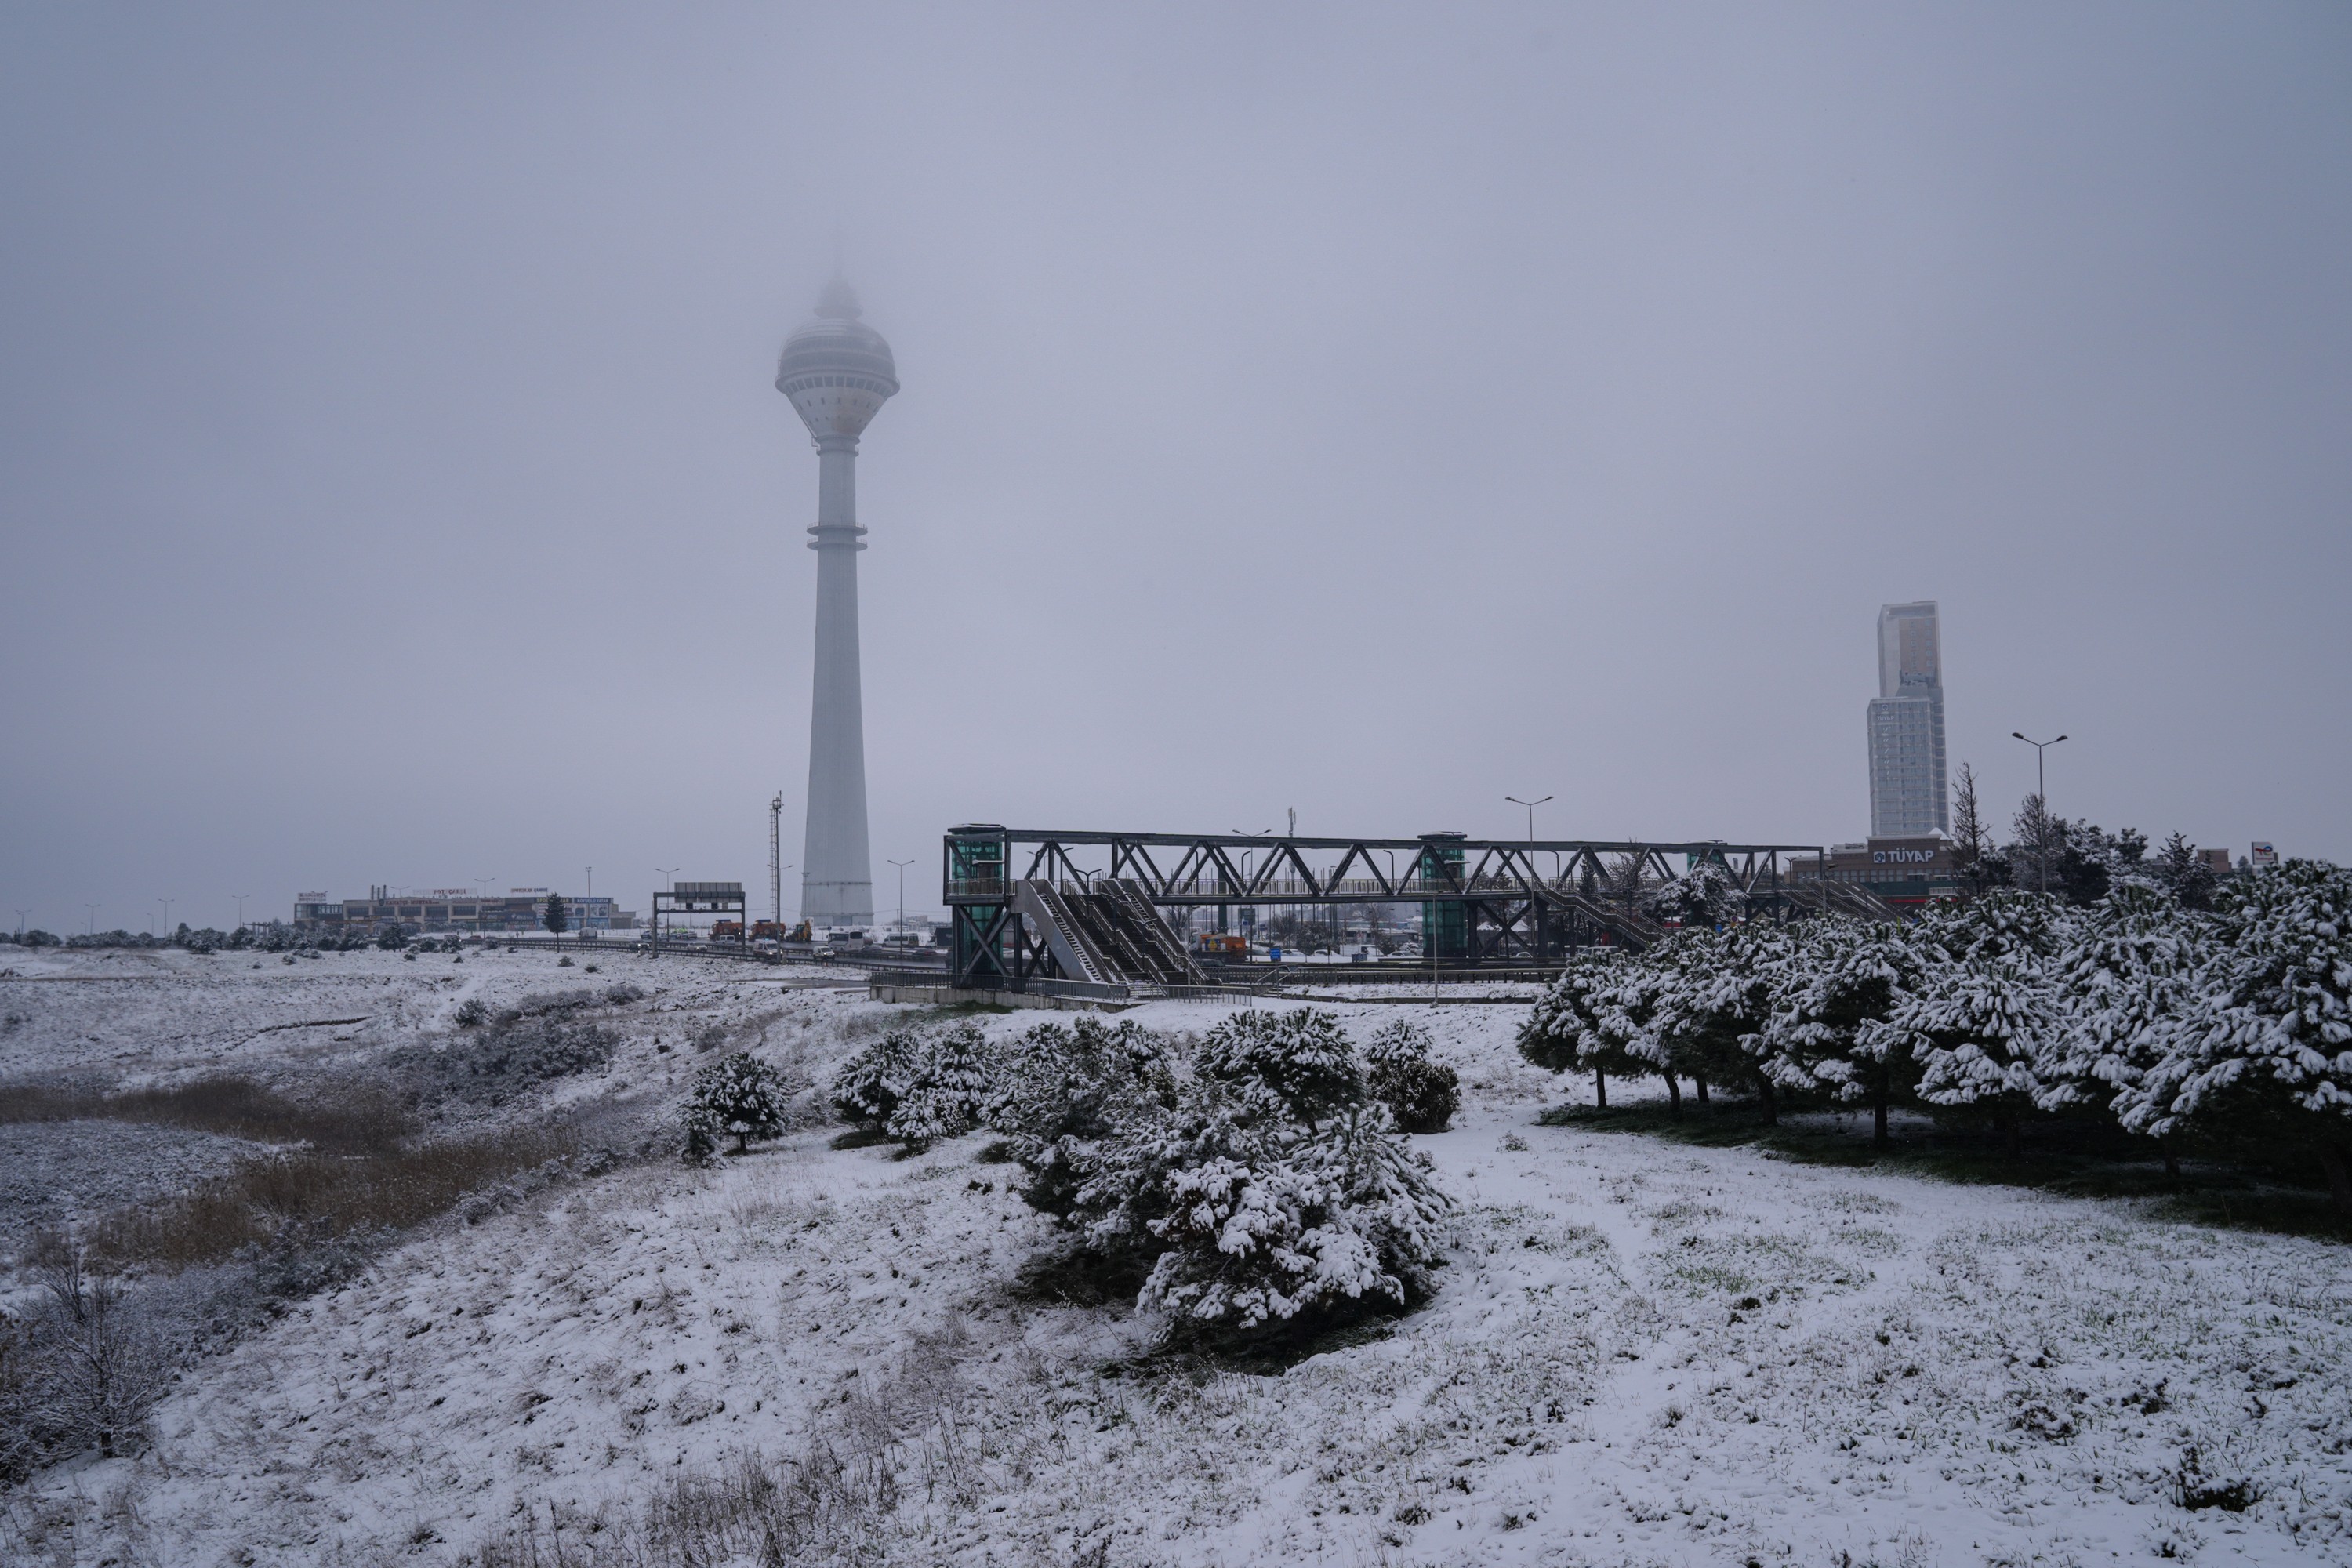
{"points": [[1496, 896]]}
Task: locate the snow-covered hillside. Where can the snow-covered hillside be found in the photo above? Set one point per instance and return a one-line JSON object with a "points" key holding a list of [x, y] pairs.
{"points": [[1638, 1352]]}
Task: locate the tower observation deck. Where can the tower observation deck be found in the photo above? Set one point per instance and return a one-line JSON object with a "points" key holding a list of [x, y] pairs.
{"points": [[837, 372]]}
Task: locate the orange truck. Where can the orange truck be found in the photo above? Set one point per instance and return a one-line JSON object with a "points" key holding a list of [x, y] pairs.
{"points": [[727, 931]]}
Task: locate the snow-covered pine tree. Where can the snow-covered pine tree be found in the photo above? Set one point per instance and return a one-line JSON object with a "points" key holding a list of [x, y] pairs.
{"points": [[2181, 868], [1715, 995], [1298, 1064], [735, 1097], [1979, 1021], [556, 915], [947, 1090], [1702, 897], [867, 1089], [1836, 985], [1260, 1236], [1589, 1020], [2129, 984], [1061, 1090], [2266, 1054], [1421, 1095]]}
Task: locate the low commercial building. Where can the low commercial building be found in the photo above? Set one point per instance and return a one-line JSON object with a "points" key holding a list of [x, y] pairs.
{"points": [[445, 910], [1905, 870]]}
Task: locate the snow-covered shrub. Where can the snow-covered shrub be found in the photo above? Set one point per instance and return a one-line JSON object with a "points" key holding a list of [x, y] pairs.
{"points": [[1061, 1089], [471, 1013], [944, 1093], [735, 1097], [1421, 1095], [1267, 1226], [1266, 1192], [869, 1085], [80, 1368], [515, 1055], [303, 1256], [1300, 1065]]}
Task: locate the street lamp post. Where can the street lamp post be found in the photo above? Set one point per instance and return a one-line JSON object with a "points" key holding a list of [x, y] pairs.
{"points": [[2041, 803], [1531, 805], [902, 866]]}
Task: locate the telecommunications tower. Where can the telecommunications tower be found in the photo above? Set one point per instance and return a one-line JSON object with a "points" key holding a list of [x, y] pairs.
{"points": [[839, 373]]}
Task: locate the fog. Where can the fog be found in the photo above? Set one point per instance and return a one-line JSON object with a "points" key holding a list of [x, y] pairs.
{"points": [[1369, 413]]}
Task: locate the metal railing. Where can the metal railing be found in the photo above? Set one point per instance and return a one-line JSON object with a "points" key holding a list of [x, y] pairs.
{"points": [[1273, 890]]}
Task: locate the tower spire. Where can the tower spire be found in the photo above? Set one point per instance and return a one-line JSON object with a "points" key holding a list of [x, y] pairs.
{"points": [[839, 373]]}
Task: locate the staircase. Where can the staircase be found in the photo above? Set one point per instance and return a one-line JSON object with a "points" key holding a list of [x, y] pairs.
{"points": [[1633, 932], [1041, 904], [1111, 935]]}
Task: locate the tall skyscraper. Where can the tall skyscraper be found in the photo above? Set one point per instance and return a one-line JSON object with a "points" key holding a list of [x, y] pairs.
{"points": [[1907, 795], [839, 373]]}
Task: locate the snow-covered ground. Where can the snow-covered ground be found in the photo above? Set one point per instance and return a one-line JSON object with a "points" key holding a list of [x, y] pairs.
{"points": [[1639, 1352]]}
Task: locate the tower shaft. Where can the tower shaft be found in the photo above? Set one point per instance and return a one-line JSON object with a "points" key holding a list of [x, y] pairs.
{"points": [[836, 867]]}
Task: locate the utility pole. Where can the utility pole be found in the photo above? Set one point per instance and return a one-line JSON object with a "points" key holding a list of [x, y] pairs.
{"points": [[240, 899], [776, 860], [20, 921], [2040, 804], [580, 926], [93, 909]]}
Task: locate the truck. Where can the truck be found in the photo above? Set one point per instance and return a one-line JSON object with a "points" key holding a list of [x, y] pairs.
{"points": [[727, 931]]}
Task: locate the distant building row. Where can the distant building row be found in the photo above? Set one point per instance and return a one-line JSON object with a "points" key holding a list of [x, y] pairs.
{"points": [[454, 910], [1913, 870]]}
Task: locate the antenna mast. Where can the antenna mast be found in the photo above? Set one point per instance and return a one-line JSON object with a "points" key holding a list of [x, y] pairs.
{"points": [[776, 857]]}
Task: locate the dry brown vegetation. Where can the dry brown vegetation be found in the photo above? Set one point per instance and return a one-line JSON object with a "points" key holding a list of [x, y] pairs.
{"points": [[323, 1193], [361, 1118]]}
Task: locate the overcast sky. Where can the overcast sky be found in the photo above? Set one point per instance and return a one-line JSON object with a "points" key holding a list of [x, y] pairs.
{"points": [[1371, 412]]}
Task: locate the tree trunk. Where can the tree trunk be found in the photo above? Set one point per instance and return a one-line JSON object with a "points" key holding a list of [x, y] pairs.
{"points": [[2172, 1163], [1878, 1120], [1674, 1095], [1700, 1081], [1600, 1090], [2009, 1137], [1771, 1104], [2339, 1177]]}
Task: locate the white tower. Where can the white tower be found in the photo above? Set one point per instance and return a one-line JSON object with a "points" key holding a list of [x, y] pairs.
{"points": [[837, 372], [1907, 797]]}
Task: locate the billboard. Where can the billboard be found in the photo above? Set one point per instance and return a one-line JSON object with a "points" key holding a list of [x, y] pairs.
{"points": [[2266, 854]]}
